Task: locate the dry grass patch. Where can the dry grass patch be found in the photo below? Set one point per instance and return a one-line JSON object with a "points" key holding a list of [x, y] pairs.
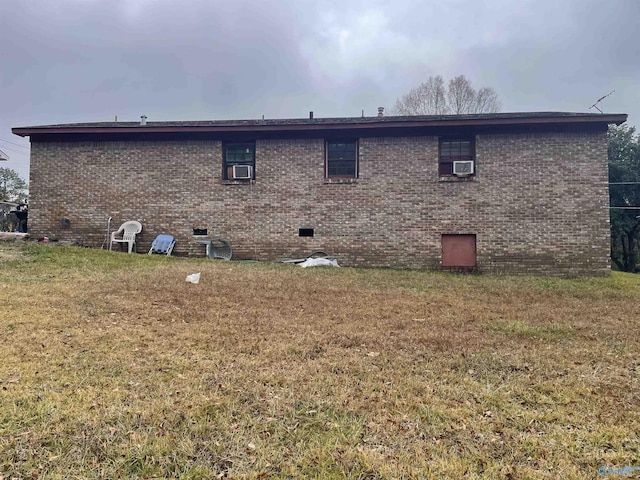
{"points": [[112, 366]]}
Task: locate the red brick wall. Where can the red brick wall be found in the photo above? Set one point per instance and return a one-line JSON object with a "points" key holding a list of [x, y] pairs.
{"points": [[538, 204]]}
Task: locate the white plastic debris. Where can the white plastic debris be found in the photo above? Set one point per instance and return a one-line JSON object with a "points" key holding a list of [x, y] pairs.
{"points": [[319, 262], [193, 278]]}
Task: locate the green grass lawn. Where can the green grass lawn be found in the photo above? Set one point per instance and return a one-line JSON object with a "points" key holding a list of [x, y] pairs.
{"points": [[113, 366]]}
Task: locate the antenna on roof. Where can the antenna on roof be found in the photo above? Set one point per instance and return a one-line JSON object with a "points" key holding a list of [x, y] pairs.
{"points": [[595, 105]]}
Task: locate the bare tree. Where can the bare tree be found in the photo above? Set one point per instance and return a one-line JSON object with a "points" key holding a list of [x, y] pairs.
{"points": [[487, 101], [430, 98], [461, 95]]}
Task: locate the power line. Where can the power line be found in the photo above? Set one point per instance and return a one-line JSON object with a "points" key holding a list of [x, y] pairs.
{"points": [[12, 143]]}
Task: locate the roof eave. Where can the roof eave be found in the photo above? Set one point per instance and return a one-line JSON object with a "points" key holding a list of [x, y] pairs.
{"points": [[616, 119]]}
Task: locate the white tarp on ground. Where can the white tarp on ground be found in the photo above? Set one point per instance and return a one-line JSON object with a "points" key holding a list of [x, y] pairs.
{"points": [[193, 278], [319, 262]]}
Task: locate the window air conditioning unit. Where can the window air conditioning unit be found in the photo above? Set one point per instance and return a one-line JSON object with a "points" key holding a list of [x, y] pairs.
{"points": [[242, 172], [463, 169]]}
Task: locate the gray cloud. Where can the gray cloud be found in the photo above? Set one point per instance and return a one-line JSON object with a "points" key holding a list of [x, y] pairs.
{"points": [[89, 60]]}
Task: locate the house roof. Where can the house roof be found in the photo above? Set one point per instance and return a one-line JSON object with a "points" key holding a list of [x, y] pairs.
{"points": [[3, 156], [302, 125]]}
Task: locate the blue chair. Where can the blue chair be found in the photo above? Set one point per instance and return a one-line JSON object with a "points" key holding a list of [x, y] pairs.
{"points": [[163, 245]]}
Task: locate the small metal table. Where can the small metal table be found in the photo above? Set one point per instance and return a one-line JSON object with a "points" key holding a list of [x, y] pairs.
{"points": [[216, 247]]}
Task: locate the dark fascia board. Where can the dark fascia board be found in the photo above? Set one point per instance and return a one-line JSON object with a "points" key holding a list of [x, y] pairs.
{"points": [[325, 125]]}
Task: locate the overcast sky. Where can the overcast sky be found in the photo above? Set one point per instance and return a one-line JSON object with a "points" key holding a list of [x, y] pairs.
{"points": [[68, 61]]}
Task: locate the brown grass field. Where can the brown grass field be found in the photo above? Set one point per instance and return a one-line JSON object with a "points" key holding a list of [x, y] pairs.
{"points": [[113, 366]]}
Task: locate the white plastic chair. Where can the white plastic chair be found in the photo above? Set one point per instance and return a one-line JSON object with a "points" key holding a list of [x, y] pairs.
{"points": [[128, 231]]}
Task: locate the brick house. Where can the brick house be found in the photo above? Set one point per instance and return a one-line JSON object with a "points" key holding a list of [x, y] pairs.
{"points": [[505, 193]]}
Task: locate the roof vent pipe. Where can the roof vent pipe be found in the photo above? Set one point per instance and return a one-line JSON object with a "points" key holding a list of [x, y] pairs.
{"points": [[143, 120], [311, 115], [381, 111]]}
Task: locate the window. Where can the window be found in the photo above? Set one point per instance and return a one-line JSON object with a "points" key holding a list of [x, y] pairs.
{"points": [[342, 158], [239, 161], [455, 150]]}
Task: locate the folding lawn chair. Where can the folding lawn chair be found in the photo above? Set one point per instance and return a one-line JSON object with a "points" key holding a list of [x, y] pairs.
{"points": [[163, 245]]}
